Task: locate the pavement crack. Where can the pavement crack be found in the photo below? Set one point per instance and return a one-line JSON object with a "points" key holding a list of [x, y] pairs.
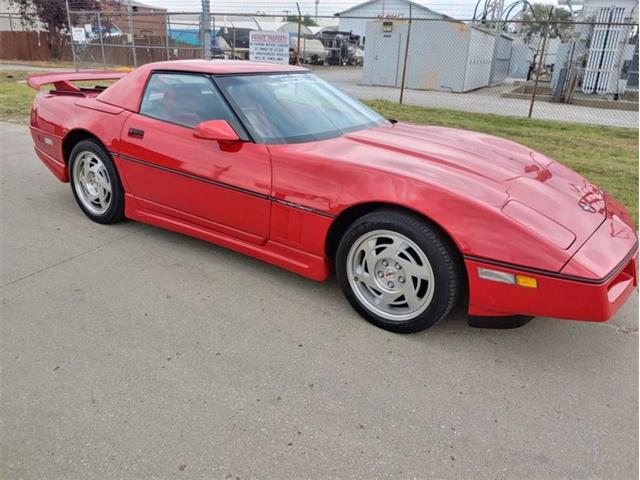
{"points": [[620, 328], [62, 262]]}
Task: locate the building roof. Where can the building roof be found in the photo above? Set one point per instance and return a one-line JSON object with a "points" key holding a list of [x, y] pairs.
{"points": [[134, 3], [316, 30], [257, 23], [408, 2]]}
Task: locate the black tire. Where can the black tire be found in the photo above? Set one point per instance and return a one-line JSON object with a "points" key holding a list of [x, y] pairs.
{"points": [[115, 212], [445, 260]]}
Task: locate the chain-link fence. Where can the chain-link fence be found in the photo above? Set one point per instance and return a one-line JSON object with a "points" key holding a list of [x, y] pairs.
{"points": [[576, 71]]}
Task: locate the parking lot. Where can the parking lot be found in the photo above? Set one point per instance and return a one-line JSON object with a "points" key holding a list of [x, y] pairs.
{"points": [[132, 352]]}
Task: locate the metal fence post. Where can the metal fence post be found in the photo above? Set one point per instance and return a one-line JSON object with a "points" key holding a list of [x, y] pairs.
{"points": [[206, 26], [299, 32], [406, 57], [233, 47], [494, 55], [104, 58], [133, 36], [167, 33], [540, 63], [73, 50], [214, 42]]}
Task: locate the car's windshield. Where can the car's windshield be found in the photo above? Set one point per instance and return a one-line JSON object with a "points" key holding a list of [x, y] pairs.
{"points": [[295, 108]]}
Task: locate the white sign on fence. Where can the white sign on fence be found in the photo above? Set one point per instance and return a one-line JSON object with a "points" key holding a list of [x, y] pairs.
{"points": [[78, 34], [270, 47]]}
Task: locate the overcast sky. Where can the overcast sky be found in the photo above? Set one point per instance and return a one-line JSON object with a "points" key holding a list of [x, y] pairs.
{"points": [[458, 8]]}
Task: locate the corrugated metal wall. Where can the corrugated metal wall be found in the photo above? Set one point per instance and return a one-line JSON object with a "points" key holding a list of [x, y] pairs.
{"points": [[444, 55]]}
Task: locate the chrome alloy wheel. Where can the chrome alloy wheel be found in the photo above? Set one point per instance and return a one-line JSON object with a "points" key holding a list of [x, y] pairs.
{"points": [[390, 275], [91, 182]]}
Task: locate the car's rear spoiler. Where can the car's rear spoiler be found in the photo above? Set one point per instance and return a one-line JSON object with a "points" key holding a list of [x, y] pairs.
{"points": [[62, 80]]}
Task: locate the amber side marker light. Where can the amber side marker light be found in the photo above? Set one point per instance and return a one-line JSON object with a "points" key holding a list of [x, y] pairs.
{"points": [[509, 278], [526, 282]]}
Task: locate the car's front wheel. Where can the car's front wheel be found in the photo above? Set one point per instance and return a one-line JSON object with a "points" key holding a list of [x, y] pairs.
{"points": [[95, 183], [398, 271]]}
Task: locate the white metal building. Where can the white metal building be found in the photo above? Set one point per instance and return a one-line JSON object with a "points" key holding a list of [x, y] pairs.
{"points": [[449, 56], [348, 20]]}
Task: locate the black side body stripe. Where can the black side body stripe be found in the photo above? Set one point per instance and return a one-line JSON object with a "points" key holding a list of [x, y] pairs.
{"points": [[224, 185]]}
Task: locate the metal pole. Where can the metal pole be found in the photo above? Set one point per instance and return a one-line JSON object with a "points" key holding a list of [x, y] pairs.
{"points": [[10, 22], [299, 28], [496, 42], [73, 50], [104, 58], [540, 63], [133, 36], [214, 40], [167, 34], [206, 25], [406, 56]]}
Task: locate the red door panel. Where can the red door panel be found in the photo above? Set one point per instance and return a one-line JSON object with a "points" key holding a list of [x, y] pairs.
{"points": [[225, 188]]}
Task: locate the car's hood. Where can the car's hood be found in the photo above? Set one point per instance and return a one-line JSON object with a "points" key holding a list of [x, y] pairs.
{"points": [[475, 153], [530, 178]]}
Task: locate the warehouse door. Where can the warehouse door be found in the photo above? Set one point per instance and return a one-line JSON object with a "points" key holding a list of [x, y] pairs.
{"points": [[385, 55]]}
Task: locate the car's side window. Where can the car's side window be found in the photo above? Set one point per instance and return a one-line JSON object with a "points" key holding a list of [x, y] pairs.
{"points": [[184, 99]]}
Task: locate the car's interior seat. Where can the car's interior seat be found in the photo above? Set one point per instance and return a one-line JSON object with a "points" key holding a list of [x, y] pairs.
{"points": [[188, 104], [182, 103]]}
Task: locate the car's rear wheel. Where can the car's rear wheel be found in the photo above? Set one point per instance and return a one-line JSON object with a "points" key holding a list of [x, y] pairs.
{"points": [[95, 183], [398, 271]]}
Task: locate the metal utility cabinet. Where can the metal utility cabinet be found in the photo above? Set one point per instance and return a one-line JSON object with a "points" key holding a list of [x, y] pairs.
{"points": [[444, 55]]}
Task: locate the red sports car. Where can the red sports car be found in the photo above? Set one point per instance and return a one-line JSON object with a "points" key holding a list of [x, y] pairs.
{"points": [[273, 162]]}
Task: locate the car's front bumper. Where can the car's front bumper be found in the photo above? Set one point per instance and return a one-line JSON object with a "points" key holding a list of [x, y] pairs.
{"points": [[565, 294]]}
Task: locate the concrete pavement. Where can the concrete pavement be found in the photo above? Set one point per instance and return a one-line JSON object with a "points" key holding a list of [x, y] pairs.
{"points": [[131, 352]]}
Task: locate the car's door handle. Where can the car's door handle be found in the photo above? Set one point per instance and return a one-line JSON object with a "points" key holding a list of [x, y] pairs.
{"points": [[135, 132]]}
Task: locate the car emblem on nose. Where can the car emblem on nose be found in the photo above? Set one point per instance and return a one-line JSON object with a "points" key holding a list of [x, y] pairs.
{"points": [[586, 207], [591, 198]]}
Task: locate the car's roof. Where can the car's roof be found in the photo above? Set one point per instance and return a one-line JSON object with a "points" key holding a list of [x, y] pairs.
{"points": [[126, 92], [222, 67]]}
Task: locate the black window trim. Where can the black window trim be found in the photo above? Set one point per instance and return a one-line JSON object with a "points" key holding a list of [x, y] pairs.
{"points": [[244, 135]]}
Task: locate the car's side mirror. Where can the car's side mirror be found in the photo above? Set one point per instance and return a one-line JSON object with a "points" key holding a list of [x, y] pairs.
{"points": [[218, 130]]}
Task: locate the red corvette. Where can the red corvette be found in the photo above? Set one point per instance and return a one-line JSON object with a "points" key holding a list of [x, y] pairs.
{"points": [[273, 162]]}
